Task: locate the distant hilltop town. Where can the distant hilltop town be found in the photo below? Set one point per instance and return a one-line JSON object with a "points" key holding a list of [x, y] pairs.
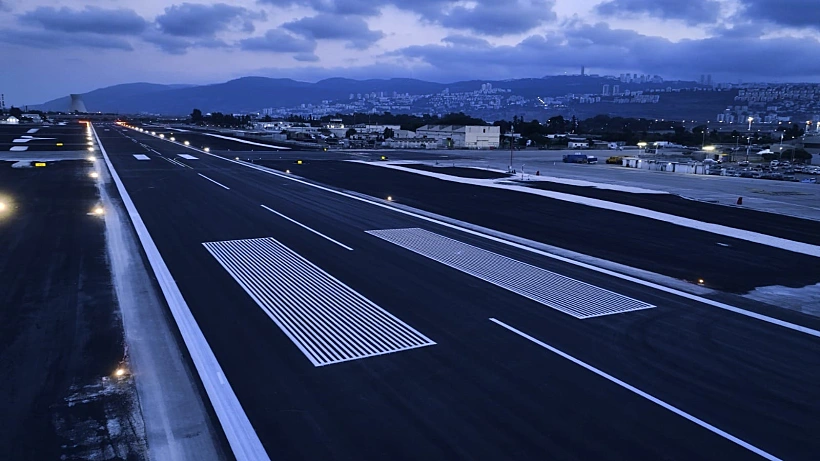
{"points": [[581, 95]]}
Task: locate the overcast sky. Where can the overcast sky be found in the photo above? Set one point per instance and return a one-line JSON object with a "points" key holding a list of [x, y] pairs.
{"points": [[49, 48]]}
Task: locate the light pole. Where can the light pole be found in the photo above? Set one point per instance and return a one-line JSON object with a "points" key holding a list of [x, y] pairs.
{"points": [[780, 154], [750, 120], [512, 138], [737, 143], [710, 150], [748, 148]]}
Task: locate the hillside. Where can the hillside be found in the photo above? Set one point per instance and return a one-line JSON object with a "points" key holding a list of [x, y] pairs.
{"points": [[248, 94]]}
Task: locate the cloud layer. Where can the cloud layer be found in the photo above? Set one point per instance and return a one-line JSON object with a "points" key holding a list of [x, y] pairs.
{"points": [[434, 39]]}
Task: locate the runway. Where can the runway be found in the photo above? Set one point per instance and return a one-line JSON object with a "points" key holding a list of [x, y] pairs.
{"points": [[350, 331]]}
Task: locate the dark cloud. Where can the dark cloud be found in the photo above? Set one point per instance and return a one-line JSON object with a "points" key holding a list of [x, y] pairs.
{"points": [[617, 50], [345, 7], [279, 41], [489, 17], [45, 39], [498, 18], [91, 19], [748, 30], [195, 20], [353, 30], [692, 12], [180, 45], [789, 13]]}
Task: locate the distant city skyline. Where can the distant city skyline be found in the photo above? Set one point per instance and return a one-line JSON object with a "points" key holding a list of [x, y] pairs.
{"points": [[53, 48]]}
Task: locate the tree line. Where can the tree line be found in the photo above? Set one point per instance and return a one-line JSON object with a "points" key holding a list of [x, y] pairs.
{"points": [[220, 119], [628, 130]]}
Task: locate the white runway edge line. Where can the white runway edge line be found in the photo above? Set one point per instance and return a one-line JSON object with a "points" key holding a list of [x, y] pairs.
{"points": [[306, 227], [245, 142], [636, 280], [641, 393], [241, 436], [564, 294], [327, 321], [740, 234], [218, 184]]}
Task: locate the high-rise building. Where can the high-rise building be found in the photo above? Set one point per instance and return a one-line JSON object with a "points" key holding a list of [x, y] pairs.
{"points": [[709, 79], [582, 71], [605, 91], [616, 89]]}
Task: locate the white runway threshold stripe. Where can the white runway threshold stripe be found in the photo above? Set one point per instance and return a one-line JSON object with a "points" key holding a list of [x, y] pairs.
{"points": [[141, 157], [327, 320], [641, 393], [188, 157], [244, 442], [574, 297]]}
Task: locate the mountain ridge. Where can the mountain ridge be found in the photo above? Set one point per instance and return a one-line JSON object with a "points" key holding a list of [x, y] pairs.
{"points": [[253, 93]]}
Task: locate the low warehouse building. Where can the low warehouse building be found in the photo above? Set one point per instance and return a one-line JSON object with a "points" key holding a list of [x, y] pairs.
{"points": [[462, 136]]}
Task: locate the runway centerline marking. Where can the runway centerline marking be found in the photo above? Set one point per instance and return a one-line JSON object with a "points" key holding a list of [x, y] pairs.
{"points": [[327, 321], [177, 163], [218, 184], [306, 227], [564, 294], [641, 393]]}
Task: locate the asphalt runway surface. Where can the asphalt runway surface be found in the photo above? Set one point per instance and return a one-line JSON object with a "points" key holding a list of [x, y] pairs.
{"points": [[17, 139], [648, 244], [251, 152], [482, 391], [60, 333], [788, 227]]}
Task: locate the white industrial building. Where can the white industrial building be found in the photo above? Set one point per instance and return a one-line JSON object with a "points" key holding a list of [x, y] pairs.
{"points": [[462, 136]]}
